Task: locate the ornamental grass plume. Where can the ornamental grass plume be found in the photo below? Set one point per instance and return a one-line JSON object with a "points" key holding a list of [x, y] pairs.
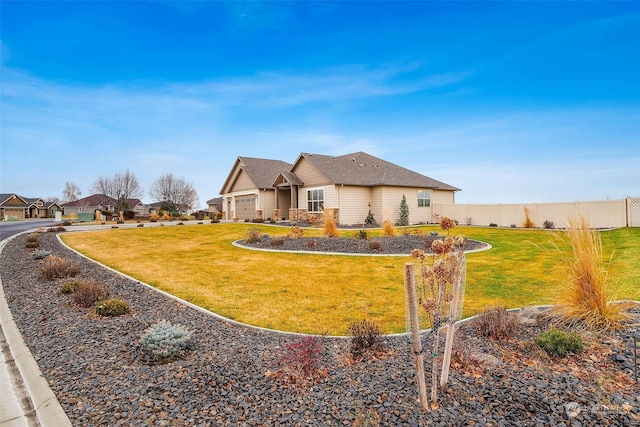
{"points": [[329, 228], [586, 300]]}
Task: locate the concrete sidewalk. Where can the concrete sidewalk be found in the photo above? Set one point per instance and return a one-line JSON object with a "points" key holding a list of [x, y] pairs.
{"points": [[25, 396]]}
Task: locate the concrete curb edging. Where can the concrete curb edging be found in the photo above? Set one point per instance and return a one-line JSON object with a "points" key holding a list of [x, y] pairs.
{"points": [[48, 410]]}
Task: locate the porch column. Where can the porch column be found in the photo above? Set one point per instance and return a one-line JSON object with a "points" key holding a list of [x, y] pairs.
{"points": [[277, 198]]}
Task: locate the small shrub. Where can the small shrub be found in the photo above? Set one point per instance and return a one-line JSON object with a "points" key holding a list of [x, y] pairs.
{"points": [[361, 234], [493, 224], [33, 240], [388, 229], [56, 267], [311, 244], [370, 219], [69, 287], [366, 336], [140, 225], [558, 343], [154, 217], [548, 224], [276, 241], [66, 223], [367, 418], [165, 216], [497, 323], [56, 229], [296, 232], [112, 307], [301, 358], [40, 254], [164, 341], [404, 212], [253, 235], [87, 293], [513, 226], [375, 246], [215, 220]]}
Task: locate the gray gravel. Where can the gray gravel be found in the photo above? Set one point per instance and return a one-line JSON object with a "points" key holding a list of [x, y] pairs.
{"points": [[96, 368], [401, 244]]}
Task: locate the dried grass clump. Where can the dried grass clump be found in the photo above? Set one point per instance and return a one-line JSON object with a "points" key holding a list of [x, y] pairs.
{"points": [[388, 228], [366, 337], [528, 222], [56, 267], [87, 293], [296, 232], [585, 301], [329, 228], [498, 324], [253, 235]]}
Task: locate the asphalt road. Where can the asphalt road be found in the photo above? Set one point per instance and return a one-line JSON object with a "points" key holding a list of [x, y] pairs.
{"points": [[9, 228]]}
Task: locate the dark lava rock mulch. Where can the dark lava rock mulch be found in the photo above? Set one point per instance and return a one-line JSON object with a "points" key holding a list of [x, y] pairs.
{"points": [[96, 368], [402, 244]]}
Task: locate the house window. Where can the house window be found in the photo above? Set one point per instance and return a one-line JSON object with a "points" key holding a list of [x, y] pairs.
{"points": [[424, 198], [315, 200]]}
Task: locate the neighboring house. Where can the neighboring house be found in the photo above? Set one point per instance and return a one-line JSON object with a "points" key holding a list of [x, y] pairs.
{"points": [[103, 203], [14, 206], [215, 206], [350, 185]]}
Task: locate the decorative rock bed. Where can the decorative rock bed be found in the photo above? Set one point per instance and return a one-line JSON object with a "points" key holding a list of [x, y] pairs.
{"points": [[96, 369]]}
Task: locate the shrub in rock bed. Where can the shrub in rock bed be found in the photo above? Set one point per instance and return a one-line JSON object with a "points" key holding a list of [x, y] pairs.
{"points": [[56, 267], [300, 359], [69, 287], [87, 293], [112, 307], [366, 336], [40, 254], [558, 343], [33, 240], [163, 341], [497, 323]]}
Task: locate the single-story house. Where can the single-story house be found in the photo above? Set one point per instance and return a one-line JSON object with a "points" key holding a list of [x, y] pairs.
{"points": [[14, 206], [351, 186], [215, 206], [103, 203]]}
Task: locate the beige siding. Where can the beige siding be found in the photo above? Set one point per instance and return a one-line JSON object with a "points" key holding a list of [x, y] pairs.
{"points": [[353, 203], [242, 183], [267, 202], [391, 199], [310, 175]]}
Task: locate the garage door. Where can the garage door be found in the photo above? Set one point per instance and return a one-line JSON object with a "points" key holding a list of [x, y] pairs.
{"points": [[246, 207]]}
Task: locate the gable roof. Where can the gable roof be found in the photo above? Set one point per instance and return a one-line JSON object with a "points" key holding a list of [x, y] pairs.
{"points": [[260, 171], [362, 169], [6, 196], [100, 199]]}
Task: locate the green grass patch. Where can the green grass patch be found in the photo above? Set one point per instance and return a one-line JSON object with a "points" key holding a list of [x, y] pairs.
{"points": [[312, 293]]}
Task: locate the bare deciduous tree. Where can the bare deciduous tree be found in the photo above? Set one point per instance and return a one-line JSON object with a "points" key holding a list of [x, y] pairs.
{"points": [[177, 193], [71, 192], [121, 187]]}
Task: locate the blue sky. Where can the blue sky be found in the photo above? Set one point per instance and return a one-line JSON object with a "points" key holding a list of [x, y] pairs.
{"points": [[512, 102]]}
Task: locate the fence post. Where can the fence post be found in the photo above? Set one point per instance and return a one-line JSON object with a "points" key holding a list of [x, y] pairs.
{"points": [[415, 334]]}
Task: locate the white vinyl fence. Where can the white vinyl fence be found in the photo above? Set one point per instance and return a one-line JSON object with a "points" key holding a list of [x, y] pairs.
{"points": [[601, 214]]}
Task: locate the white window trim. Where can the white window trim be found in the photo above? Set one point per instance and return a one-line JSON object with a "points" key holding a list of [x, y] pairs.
{"points": [[428, 205], [319, 201]]}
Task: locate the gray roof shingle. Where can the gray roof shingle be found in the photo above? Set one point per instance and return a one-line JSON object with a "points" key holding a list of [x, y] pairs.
{"points": [[363, 169]]}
